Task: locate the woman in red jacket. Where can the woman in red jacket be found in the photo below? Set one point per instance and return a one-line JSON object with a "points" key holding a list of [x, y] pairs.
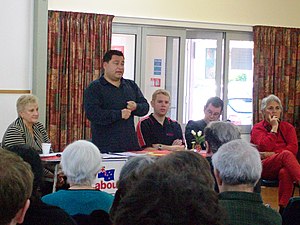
{"points": [[277, 142]]}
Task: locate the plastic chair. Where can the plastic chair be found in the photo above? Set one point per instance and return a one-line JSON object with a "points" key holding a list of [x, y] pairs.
{"points": [[291, 214]]}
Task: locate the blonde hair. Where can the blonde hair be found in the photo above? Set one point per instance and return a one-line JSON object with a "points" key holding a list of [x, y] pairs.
{"points": [[24, 100], [160, 91]]}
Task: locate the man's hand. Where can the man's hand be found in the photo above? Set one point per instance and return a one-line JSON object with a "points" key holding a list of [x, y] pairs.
{"points": [[125, 113], [131, 105], [177, 142]]}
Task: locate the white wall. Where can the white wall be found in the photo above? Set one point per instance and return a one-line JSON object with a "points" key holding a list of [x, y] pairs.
{"points": [[16, 44], [237, 12]]}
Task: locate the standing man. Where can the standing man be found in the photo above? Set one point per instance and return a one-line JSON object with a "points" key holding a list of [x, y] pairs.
{"points": [[212, 112], [110, 103], [158, 131]]}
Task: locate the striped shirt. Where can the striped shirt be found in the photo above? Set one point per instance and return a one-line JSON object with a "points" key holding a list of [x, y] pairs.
{"points": [[17, 134]]}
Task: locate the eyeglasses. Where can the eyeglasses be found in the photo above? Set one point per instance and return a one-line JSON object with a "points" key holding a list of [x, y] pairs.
{"points": [[214, 114]]}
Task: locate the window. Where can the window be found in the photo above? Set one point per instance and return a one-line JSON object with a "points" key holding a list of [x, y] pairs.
{"points": [[193, 65]]}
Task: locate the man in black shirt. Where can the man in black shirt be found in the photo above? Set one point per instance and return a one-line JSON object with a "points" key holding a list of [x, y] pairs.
{"points": [[212, 112], [158, 131], [110, 103]]}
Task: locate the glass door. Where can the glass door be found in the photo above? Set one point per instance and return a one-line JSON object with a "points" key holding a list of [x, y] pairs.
{"points": [[239, 80], [128, 40], [162, 65], [203, 71]]}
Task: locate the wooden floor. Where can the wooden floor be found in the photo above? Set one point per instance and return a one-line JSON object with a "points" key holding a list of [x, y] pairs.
{"points": [[270, 196]]}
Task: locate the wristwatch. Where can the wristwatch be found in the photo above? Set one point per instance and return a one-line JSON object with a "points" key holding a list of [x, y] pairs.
{"points": [[159, 147]]}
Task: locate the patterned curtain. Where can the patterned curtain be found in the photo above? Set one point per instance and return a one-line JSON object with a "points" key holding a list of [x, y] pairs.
{"points": [[76, 45], [277, 70]]}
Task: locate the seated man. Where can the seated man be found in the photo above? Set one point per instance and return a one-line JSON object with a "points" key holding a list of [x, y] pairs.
{"points": [[212, 112], [158, 131], [16, 180], [237, 169]]}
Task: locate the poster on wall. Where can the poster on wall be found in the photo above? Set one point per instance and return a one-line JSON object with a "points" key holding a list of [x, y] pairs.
{"points": [[210, 63], [155, 82], [157, 64], [118, 47]]}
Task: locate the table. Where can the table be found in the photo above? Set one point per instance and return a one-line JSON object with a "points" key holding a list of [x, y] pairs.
{"points": [[106, 179]]}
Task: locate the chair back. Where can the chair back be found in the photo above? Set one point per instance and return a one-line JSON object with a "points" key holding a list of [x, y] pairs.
{"points": [[291, 214]]}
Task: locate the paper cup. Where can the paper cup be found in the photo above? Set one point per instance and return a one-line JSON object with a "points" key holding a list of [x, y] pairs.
{"points": [[46, 148]]}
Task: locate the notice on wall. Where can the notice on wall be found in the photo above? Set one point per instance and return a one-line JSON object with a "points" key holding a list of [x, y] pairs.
{"points": [[155, 82], [157, 67]]}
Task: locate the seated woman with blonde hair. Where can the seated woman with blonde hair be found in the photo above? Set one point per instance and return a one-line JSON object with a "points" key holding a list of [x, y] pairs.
{"points": [[277, 142], [26, 129]]}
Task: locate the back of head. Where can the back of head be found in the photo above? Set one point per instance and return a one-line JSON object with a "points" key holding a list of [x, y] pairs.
{"points": [[216, 102], [132, 169], [187, 162], [16, 181], [30, 155], [238, 162], [162, 197], [81, 161], [130, 173], [218, 133]]}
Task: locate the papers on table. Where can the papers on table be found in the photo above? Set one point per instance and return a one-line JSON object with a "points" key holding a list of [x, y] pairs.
{"points": [[51, 154]]}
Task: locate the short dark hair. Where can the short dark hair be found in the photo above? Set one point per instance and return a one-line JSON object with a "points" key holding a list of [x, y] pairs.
{"points": [[187, 162], [164, 197], [108, 55], [216, 102], [16, 185], [130, 173]]}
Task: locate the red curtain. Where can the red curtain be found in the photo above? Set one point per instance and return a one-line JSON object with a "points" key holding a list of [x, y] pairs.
{"points": [[277, 70], [76, 45]]}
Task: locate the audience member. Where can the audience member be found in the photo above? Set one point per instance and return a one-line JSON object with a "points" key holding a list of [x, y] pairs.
{"points": [[16, 181], [212, 112], [237, 169], [110, 103], [216, 134], [130, 173], [163, 197], [187, 162], [80, 162], [39, 213], [277, 142], [157, 131], [26, 129]]}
